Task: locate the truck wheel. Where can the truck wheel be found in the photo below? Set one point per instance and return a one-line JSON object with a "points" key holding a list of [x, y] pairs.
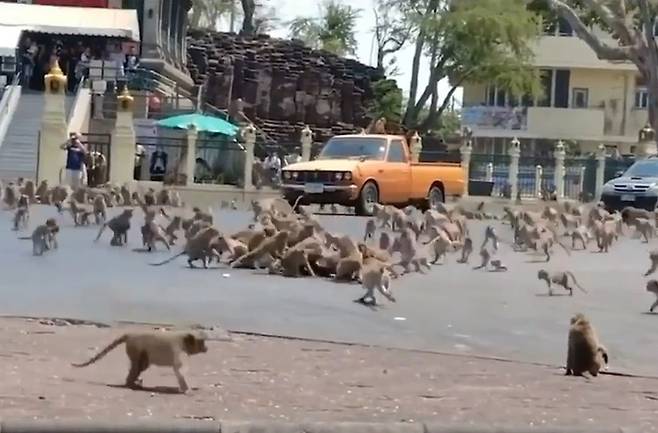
{"points": [[435, 198], [367, 198]]}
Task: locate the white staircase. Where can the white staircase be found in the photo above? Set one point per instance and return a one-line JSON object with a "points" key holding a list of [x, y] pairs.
{"points": [[18, 151]]}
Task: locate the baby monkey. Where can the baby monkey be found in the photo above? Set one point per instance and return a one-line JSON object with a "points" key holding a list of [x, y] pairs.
{"points": [[375, 277], [158, 348], [559, 278]]}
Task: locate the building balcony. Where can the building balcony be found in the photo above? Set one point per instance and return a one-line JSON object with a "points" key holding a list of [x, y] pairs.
{"points": [[537, 122], [567, 52]]}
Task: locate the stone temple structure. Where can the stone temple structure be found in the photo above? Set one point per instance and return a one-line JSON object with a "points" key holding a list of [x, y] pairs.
{"points": [[282, 84]]}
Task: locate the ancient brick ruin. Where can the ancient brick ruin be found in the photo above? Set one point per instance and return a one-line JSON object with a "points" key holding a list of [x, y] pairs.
{"points": [[283, 84]]}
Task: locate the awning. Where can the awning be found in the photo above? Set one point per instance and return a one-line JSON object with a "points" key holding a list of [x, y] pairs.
{"points": [[9, 40], [118, 23]]}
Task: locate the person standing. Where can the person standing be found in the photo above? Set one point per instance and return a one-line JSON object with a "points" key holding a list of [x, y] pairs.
{"points": [[140, 155], [75, 160]]}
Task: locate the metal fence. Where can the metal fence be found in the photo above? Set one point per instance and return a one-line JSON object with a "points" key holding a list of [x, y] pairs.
{"points": [[219, 161], [167, 163], [499, 170], [99, 147]]}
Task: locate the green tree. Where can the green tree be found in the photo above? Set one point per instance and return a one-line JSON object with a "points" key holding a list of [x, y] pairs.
{"points": [[333, 30], [391, 32], [387, 101], [629, 23], [469, 40], [207, 13]]}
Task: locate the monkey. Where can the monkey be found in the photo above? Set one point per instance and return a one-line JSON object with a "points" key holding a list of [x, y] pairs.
{"points": [[486, 257], [652, 287], [44, 237], [198, 247], [383, 215], [273, 246], [560, 278], [384, 241], [377, 126], [498, 265], [604, 235], [653, 256], [375, 277], [174, 199], [490, 234], [171, 229], [152, 232], [570, 222], [293, 262], [584, 353], [235, 247], [149, 197], [644, 227], [155, 348], [371, 228], [100, 209], [629, 214], [531, 218], [42, 192], [234, 205], [119, 225], [349, 267], [467, 250], [581, 233], [409, 254], [80, 213], [345, 245], [440, 245], [163, 197], [195, 227], [126, 198], [550, 214], [11, 196], [200, 215], [22, 215]]}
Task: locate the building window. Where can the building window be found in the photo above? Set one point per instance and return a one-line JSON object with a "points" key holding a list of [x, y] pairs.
{"points": [[546, 80], [641, 98], [580, 98]]}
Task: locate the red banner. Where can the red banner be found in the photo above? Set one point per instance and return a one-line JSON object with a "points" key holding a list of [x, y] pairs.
{"points": [[79, 3]]}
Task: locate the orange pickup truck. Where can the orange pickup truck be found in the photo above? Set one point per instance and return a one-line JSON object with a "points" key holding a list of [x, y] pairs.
{"points": [[360, 170]]}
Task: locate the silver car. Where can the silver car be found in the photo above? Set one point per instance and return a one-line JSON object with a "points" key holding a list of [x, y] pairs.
{"points": [[636, 187]]}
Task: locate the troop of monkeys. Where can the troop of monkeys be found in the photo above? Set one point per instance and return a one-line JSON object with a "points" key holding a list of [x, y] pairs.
{"points": [[290, 241]]}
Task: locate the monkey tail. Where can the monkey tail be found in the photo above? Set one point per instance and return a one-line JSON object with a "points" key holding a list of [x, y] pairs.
{"points": [[103, 352], [170, 259], [573, 277], [297, 200], [100, 232], [25, 238]]}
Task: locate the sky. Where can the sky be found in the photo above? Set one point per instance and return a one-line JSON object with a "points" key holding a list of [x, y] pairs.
{"points": [[366, 52]]}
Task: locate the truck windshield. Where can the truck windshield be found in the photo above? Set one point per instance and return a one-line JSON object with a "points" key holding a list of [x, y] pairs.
{"points": [[370, 148], [646, 168]]}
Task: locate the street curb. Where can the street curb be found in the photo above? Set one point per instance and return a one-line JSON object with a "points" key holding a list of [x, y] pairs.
{"points": [[192, 426]]}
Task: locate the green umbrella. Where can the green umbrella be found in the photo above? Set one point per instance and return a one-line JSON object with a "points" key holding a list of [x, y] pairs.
{"points": [[202, 123]]}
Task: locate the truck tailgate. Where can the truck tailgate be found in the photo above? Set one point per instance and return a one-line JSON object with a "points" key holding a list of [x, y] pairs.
{"points": [[423, 174]]}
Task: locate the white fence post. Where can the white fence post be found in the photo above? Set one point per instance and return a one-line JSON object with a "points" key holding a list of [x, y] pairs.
{"points": [[558, 177], [513, 176], [539, 173], [600, 171], [489, 172]]}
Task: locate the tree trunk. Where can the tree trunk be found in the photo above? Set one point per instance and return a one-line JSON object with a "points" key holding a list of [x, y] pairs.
{"points": [[248, 10], [413, 85]]}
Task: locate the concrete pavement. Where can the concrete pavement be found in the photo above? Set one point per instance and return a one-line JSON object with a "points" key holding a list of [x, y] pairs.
{"points": [[452, 309]]}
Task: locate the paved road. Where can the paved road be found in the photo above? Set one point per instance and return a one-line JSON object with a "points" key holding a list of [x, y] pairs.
{"points": [[451, 309]]}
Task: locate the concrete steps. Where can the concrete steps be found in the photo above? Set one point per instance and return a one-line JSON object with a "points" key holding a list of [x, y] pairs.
{"points": [[18, 152]]}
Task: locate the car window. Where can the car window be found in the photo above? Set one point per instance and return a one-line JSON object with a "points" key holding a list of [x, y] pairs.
{"points": [[396, 152], [645, 168]]}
